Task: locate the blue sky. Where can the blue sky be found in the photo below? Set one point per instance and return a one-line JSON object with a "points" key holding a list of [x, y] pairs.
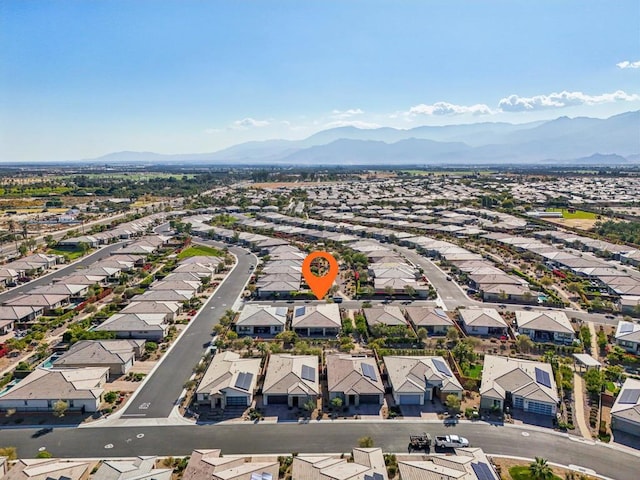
{"points": [[79, 79]]}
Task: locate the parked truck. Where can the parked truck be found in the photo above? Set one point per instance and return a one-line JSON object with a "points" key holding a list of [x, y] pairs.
{"points": [[420, 442], [451, 441]]}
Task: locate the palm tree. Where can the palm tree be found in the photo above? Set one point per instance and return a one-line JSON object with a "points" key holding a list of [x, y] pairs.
{"points": [[540, 470], [11, 225]]}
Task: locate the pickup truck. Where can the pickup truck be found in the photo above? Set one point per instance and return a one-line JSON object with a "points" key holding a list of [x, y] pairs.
{"points": [[451, 441]]}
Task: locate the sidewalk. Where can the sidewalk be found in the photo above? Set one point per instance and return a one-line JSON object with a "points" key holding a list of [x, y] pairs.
{"points": [[578, 389]]}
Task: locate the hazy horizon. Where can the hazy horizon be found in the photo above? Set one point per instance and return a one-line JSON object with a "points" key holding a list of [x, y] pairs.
{"points": [[84, 79]]}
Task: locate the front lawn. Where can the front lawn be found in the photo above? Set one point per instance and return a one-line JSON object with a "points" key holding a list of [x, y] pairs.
{"points": [[200, 250], [522, 472]]}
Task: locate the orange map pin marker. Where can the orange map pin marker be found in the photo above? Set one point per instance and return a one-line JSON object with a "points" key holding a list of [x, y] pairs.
{"points": [[320, 285]]}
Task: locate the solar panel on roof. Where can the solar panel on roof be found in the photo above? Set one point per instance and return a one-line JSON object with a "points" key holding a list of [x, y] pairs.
{"points": [[543, 378], [441, 367], [482, 471], [281, 311], [626, 327], [308, 373], [299, 311], [368, 371], [378, 476], [629, 396], [243, 382]]}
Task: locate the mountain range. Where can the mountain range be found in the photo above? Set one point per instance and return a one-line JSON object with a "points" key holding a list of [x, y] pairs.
{"points": [[581, 140]]}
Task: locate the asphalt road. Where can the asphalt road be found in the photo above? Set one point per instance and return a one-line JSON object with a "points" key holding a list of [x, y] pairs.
{"points": [[62, 272], [159, 394], [316, 437]]}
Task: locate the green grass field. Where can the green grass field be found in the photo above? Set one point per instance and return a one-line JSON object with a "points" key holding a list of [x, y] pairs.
{"points": [[522, 473], [71, 255], [581, 214], [199, 250], [474, 371]]}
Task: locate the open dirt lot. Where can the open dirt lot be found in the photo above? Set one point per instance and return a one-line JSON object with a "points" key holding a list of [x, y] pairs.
{"points": [[581, 223]]}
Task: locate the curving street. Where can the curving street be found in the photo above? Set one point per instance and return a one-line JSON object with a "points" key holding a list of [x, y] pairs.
{"points": [[317, 437], [159, 394]]}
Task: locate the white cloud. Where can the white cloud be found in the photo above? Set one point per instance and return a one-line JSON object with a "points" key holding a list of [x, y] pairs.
{"points": [[250, 123], [516, 103], [351, 123], [341, 114], [628, 64], [445, 108]]}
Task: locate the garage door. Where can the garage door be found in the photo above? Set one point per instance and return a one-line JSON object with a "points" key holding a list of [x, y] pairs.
{"points": [[409, 399], [237, 401], [370, 399], [277, 400], [542, 408]]}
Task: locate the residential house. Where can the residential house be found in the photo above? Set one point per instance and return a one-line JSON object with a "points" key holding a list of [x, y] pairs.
{"points": [[434, 320], [507, 293], [518, 384], [546, 326], [482, 321], [74, 291], [211, 465], [169, 309], [261, 320], [291, 380], [229, 381], [49, 469], [47, 303], [467, 464], [316, 320], [18, 314], [367, 464], [139, 468], [388, 315], [628, 336], [163, 296], [81, 388], [117, 355], [415, 380], [148, 326], [625, 413], [355, 379]]}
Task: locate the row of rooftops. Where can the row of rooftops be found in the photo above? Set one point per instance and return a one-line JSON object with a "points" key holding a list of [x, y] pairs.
{"points": [[365, 464]]}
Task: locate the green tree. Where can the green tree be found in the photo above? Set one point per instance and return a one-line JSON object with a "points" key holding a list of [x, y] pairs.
{"points": [[453, 404], [453, 335], [388, 290], [336, 403], [409, 290], [110, 397], [10, 452], [150, 347], [540, 470], [310, 405], [524, 343], [44, 454], [60, 408], [365, 442], [422, 333], [594, 380]]}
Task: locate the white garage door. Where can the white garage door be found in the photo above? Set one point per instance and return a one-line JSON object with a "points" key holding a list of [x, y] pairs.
{"points": [[409, 399]]}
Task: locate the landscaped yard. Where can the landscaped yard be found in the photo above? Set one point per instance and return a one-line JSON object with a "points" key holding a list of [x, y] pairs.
{"points": [[474, 371], [199, 250], [71, 255], [522, 473], [579, 214]]}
